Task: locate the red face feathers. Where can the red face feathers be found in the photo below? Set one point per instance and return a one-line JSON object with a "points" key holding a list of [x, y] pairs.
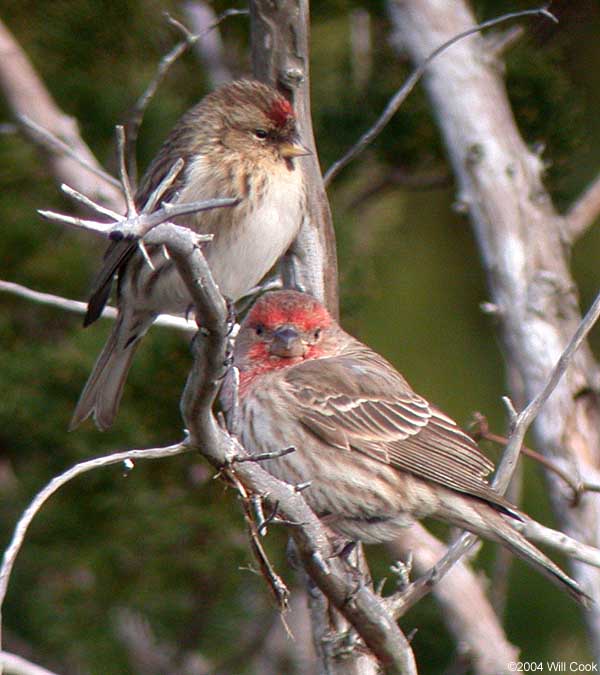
{"points": [[279, 308], [283, 328]]}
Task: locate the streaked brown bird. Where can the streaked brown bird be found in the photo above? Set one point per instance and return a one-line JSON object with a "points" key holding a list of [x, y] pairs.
{"points": [[378, 456], [240, 141]]}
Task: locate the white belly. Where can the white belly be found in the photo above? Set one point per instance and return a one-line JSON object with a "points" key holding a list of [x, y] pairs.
{"points": [[243, 252]]}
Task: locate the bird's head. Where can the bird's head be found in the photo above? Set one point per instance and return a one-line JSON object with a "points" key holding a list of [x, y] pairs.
{"points": [[253, 119], [284, 328]]}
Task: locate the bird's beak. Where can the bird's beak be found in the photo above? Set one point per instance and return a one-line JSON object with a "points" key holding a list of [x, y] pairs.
{"points": [[287, 343], [292, 149]]}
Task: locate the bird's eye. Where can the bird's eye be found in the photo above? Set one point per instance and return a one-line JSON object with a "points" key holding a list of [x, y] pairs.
{"points": [[317, 334], [259, 329], [261, 133]]}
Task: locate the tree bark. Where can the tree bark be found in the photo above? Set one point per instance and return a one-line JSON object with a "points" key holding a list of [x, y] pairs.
{"points": [[27, 95], [523, 249], [280, 57]]}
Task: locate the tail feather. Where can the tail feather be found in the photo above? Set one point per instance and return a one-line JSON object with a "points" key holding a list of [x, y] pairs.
{"points": [[103, 390], [508, 536]]}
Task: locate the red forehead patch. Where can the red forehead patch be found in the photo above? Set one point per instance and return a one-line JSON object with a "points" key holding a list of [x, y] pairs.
{"points": [[281, 111], [289, 307]]}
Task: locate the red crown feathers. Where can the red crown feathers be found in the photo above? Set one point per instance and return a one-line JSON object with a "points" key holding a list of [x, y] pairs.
{"points": [[281, 111]]}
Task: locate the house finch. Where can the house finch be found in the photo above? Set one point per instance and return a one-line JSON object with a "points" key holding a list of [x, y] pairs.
{"points": [[377, 455], [240, 141]]}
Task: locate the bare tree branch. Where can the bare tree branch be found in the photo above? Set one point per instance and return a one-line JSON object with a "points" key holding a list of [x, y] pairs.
{"points": [[361, 607], [12, 664], [400, 96], [165, 320], [560, 542], [466, 610], [401, 602], [16, 542], [525, 418], [584, 212], [522, 243], [27, 96], [140, 225], [280, 57]]}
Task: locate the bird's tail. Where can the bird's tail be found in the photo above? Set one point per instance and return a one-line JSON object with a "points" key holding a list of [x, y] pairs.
{"points": [[497, 526], [103, 390]]}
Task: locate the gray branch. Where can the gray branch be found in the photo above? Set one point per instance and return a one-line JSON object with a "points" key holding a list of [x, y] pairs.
{"points": [[522, 243], [280, 57], [27, 95]]}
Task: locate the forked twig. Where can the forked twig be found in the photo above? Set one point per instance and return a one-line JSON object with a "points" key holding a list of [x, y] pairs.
{"points": [[54, 143], [136, 116], [16, 542], [481, 430], [275, 583], [399, 97], [400, 603]]}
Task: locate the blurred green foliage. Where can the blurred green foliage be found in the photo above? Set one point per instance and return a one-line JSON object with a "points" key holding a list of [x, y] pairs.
{"points": [[165, 541]]}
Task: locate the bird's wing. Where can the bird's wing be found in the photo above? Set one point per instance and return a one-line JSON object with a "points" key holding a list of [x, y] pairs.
{"points": [[358, 401], [119, 252]]}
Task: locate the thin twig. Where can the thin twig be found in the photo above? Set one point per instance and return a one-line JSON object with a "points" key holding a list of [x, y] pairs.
{"points": [[91, 204], [77, 307], [123, 172], [399, 604], [54, 143], [398, 98], [584, 211], [526, 417], [559, 541], [261, 457], [136, 117], [134, 122], [481, 430], [79, 223], [16, 542], [275, 583], [164, 185]]}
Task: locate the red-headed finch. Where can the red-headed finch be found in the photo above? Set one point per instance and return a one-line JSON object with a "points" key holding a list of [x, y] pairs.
{"points": [[377, 455], [240, 141]]}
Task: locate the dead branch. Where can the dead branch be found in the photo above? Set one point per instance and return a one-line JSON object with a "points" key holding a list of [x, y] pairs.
{"points": [[77, 307], [400, 96], [522, 244], [467, 612], [401, 602], [17, 665], [27, 96], [584, 212], [360, 606], [16, 542]]}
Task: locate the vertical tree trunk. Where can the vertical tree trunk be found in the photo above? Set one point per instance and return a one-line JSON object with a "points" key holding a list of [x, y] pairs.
{"points": [[523, 249], [280, 56]]}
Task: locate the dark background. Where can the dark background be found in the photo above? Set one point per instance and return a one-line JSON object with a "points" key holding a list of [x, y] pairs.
{"points": [[165, 541]]}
